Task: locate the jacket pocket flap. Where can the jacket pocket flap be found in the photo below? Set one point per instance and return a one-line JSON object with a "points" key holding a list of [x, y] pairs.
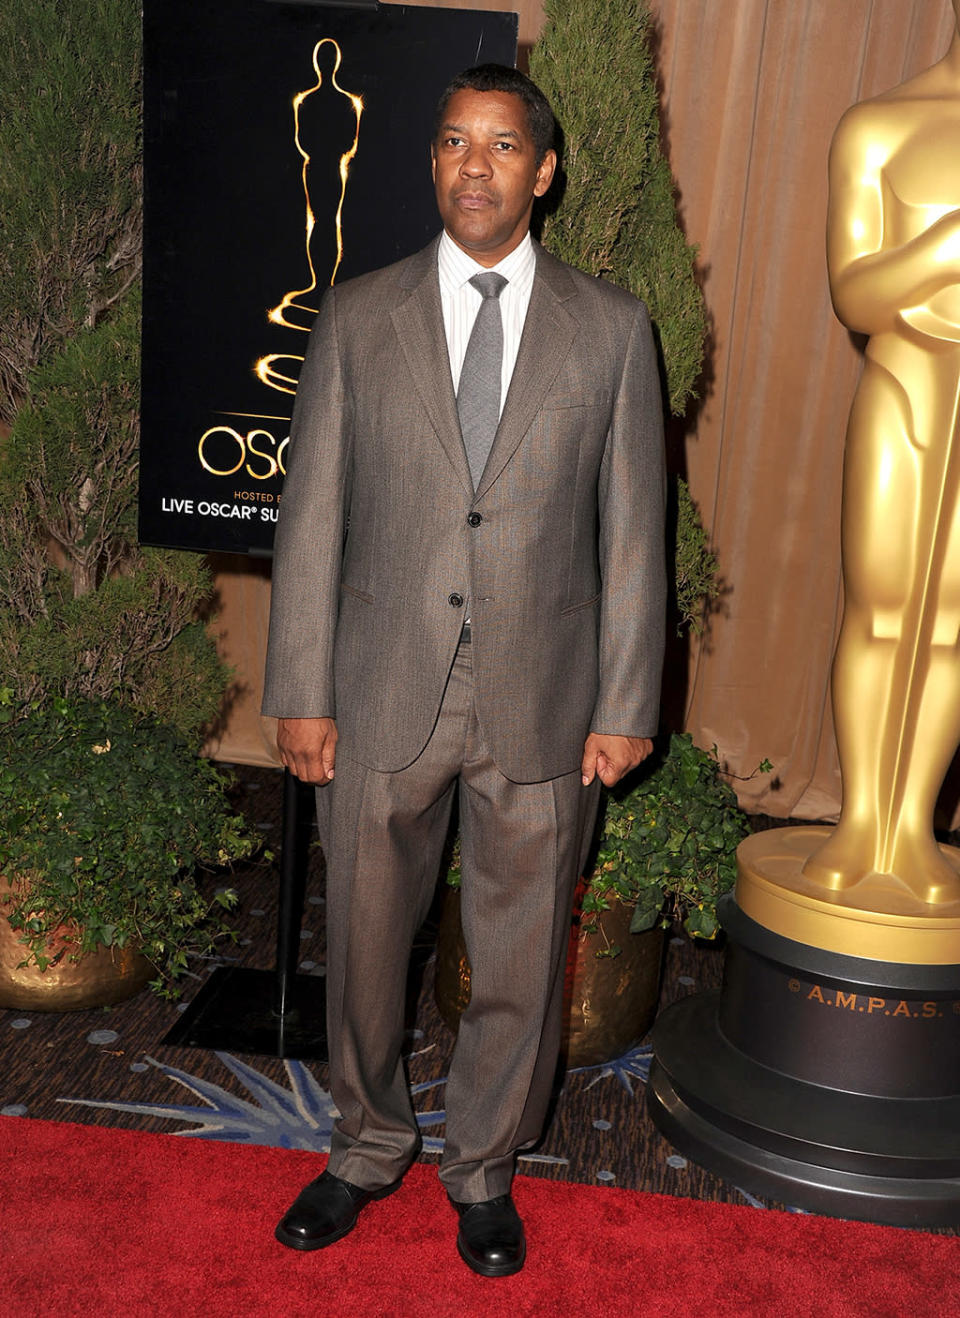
{"points": [[584, 604]]}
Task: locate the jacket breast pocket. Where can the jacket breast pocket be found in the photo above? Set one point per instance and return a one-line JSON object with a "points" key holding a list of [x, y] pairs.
{"points": [[357, 594], [579, 398]]}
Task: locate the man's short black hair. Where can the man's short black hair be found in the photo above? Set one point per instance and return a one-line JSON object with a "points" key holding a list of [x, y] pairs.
{"points": [[501, 78]]}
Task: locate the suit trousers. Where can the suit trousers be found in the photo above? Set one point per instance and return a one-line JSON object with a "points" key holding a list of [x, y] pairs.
{"points": [[522, 848]]}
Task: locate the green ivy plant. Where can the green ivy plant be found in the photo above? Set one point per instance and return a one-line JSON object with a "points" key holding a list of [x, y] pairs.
{"points": [[668, 843], [104, 816]]}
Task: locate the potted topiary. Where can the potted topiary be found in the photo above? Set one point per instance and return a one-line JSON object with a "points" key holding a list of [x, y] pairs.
{"points": [[110, 673], [665, 853], [104, 816]]}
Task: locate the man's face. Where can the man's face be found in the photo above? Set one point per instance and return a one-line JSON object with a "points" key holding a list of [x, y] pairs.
{"points": [[486, 174]]}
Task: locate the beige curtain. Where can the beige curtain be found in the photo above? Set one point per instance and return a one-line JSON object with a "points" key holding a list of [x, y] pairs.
{"points": [[243, 611], [752, 90]]}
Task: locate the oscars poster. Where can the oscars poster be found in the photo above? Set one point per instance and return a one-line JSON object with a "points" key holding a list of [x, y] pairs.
{"points": [[286, 148]]}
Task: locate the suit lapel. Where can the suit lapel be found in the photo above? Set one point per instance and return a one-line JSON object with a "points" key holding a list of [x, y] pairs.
{"points": [[418, 322], [548, 333]]}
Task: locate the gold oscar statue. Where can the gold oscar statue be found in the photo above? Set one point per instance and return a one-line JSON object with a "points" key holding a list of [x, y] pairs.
{"points": [[878, 885], [826, 1071]]}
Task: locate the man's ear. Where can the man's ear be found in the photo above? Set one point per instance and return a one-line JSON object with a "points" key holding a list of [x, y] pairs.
{"points": [[433, 162], [545, 173]]}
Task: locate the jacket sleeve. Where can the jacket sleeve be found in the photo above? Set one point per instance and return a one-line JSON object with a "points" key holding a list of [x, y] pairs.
{"points": [[631, 498], [309, 542]]}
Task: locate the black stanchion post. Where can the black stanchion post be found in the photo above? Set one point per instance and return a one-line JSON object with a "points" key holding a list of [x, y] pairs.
{"points": [[275, 1013], [293, 870]]}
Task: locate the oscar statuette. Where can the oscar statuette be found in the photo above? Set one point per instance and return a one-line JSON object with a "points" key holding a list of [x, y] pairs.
{"points": [[826, 1073]]}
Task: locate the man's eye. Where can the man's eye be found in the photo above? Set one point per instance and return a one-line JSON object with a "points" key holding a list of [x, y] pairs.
{"points": [[453, 141], [505, 146]]}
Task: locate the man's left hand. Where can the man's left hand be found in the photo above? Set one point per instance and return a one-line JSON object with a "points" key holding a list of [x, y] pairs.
{"points": [[609, 757]]}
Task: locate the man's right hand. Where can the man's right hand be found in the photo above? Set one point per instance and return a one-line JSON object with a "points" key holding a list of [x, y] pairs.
{"points": [[308, 748]]}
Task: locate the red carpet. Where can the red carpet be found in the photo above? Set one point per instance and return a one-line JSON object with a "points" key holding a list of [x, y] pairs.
{"points": [[109, 1222]]}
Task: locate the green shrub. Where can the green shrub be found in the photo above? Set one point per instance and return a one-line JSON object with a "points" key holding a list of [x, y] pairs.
{"points": [[83, 610], [618, 214], [70, 177], [668, 845], [104, 815]]}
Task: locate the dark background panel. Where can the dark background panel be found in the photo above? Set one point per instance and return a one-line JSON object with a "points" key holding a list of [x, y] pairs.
{"points": [[225, 231]]}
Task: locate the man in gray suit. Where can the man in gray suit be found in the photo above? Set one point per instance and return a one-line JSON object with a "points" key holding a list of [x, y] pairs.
{"points": [[468, 596]]}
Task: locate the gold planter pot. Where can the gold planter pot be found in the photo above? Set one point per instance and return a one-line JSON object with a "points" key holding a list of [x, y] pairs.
{"points": [[609, 1002], [96, 979]]}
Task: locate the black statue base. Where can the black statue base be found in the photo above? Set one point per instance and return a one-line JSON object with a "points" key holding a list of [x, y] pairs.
{"points": [[237, 1013], [829, 1082]]}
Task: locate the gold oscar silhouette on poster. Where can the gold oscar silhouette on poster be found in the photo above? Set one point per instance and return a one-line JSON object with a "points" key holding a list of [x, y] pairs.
{"points": [[322, 114], [326, 134], [893, 248]]}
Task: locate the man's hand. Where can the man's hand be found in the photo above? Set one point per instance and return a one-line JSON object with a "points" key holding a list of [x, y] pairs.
{"points": [[308, 748], [609, 757]]}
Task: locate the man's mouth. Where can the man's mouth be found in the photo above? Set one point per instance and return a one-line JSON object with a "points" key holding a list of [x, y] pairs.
{"points": [[473, 200]]}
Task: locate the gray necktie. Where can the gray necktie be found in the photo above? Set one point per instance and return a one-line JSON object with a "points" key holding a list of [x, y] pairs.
{"points": [[478, 397]]}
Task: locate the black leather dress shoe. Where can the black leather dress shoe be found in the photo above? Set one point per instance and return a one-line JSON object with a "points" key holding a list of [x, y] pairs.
{"points": [[490, 1239], [325, 1211]]}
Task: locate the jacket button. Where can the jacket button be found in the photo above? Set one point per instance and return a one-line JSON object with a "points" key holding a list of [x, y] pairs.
{"points": [[456, 600], [474, 519]]}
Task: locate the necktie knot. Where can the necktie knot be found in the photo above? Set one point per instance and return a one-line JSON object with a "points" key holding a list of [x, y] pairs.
{"points": [[489, 284]]}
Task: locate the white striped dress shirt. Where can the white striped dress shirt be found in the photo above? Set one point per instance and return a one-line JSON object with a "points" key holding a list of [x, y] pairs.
{"points": [[461, 302]]}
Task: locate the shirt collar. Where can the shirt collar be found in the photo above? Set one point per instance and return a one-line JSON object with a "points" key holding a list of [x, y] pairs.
{"points": [[455, 267]]}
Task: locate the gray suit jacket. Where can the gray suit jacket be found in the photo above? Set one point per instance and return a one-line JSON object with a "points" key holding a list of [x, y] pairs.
{"points": [[378, 559]]}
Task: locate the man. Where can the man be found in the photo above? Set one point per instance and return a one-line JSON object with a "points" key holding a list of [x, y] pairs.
{"points": [[469, 603]]}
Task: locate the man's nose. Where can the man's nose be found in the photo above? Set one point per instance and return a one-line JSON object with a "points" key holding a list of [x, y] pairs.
{"points": [[475, 164]]}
